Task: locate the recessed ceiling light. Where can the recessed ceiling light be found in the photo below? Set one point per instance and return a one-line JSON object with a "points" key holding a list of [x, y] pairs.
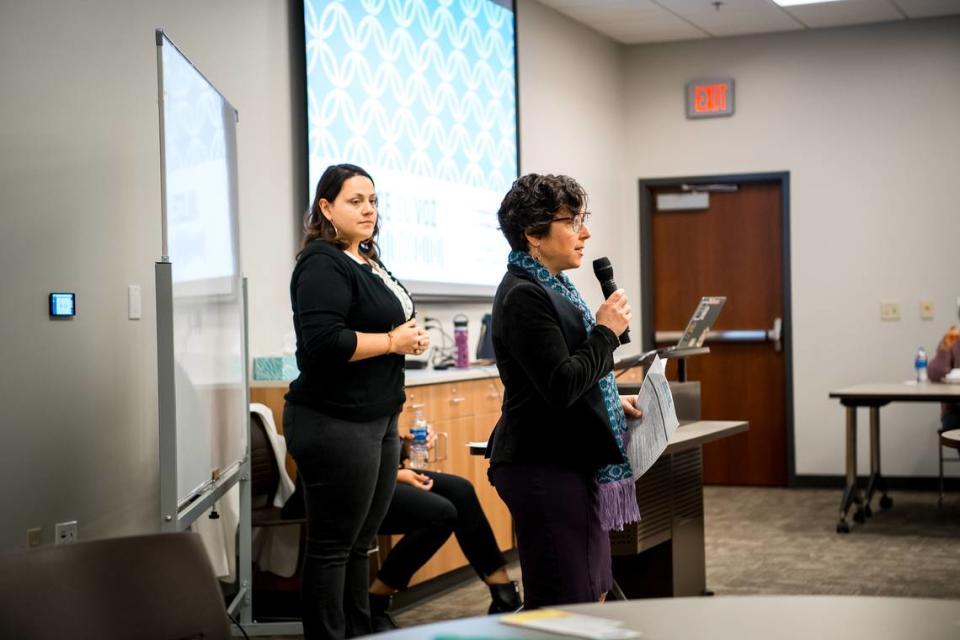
{"points": [[792, 3]]}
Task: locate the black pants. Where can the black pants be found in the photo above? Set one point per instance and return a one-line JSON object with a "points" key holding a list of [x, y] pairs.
{"points": [[349, 470], [564, 552], [426, 519]]}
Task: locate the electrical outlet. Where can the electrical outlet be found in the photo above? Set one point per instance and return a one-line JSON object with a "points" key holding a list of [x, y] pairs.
{"points": [[65, 532], [926, 309], [889, 310], [34, 537]]}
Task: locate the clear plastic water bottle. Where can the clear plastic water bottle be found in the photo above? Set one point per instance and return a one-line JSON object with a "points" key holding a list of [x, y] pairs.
{"points": [[460, 341], [419, 454], [920, 364]]}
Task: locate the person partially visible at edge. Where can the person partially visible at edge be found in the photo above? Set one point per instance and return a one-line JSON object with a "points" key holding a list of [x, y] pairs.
{"points": [[946, 359], [354, 322], [557, 453]]}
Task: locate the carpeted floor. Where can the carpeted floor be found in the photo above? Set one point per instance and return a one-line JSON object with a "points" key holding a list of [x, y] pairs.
{"points": [[779, 541], [776, 541]]}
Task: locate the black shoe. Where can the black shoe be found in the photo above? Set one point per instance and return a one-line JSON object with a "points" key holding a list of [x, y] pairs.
{"points": [[380, 619], [505, 598]]}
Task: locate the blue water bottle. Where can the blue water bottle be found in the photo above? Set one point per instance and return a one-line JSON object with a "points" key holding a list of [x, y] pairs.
{"points": [[920, 364], [419, 454]]}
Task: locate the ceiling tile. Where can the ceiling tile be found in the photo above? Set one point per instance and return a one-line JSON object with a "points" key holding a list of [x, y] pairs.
{"points": [[837, 14], [664, 29], [643, 21], [628, 21], [590, 4], [597, 15], [928, 8], [734, 17]]}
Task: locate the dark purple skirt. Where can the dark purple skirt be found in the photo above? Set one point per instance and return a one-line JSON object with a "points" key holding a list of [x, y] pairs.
{"points": [[564, 553]]}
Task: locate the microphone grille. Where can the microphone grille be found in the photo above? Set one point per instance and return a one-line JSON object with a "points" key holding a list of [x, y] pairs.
{"points": [[602, 267]]}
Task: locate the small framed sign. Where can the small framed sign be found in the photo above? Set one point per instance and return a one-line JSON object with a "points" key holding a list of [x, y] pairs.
{"points": [[63, 305], [710, 98]]}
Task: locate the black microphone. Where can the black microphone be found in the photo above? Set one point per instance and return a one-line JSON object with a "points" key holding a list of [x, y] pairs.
{"points": [[604, 272]]}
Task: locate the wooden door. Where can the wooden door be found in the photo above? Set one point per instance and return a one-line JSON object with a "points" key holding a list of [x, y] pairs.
{"points": [[734, 249]]}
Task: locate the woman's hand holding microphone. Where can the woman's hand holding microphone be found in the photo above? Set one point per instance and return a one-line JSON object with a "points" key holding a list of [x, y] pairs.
{"points": [[408, 339], [614, 313]]}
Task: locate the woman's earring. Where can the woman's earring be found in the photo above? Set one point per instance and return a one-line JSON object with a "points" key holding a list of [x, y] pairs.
{"points": [[336, 232], [535, 253]]}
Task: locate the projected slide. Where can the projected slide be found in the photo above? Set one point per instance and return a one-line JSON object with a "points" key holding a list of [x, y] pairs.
{"points": [[422, 94]]}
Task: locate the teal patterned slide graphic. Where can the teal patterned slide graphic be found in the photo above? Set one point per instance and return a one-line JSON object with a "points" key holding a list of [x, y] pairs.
{"points": [[422, 94]]}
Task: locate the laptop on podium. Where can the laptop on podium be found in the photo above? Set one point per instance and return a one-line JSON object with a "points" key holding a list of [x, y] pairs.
{"points": [[700, 322], [704, 315]]}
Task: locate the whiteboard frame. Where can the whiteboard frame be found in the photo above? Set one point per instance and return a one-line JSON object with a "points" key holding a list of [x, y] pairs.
{"points": [[177, 512]]}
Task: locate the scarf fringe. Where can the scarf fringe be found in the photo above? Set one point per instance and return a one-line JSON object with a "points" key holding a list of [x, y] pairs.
{"points": [[618, 504]]}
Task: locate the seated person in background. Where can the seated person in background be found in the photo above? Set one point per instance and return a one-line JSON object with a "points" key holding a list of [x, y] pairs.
{"points": [[428, 506], [947, 358]]}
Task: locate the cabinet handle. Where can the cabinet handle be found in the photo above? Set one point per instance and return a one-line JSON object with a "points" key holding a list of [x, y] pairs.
{"points": [[457, 400]]}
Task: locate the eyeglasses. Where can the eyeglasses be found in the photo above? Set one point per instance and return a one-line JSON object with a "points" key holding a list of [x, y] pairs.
{"points": [[576, 221]]}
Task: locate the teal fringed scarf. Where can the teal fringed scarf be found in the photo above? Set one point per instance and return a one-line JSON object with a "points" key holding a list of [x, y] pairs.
{"points": [[618, 496]]}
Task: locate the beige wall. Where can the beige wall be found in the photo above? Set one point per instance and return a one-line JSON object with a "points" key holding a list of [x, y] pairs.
{"points": [[865, 120], [80, 194]]}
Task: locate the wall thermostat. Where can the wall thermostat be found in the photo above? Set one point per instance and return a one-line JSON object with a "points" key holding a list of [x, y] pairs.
{"points": [[63, 305]]}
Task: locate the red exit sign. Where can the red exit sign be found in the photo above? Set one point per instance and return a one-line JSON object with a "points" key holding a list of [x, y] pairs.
{"points": [[710, 98]]}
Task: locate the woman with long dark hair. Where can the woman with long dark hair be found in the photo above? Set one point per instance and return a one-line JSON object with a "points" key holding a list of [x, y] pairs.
{"points": [[354, 324]]}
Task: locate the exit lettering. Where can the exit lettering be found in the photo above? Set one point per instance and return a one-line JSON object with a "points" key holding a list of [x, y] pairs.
{"points": [[711, 98]]}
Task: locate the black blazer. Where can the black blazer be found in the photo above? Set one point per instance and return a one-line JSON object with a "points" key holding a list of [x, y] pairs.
{"points": [[553, 410]]}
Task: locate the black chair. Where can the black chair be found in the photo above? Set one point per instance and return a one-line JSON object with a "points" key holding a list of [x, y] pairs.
{"points": [[150, 587], [265, 479]]}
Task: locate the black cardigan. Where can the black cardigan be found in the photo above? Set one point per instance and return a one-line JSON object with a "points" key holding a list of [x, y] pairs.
{"points": [[333, 297], [553, 409]]}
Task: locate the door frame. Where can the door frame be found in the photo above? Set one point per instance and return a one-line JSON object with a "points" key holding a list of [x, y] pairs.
{"points": [[646, 185]]}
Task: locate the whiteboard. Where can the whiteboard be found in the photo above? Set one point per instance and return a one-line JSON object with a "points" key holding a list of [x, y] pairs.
{"points": [[200, 237]]}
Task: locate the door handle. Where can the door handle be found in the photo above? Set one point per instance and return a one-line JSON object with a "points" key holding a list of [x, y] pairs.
{"points": [[774, 335]]}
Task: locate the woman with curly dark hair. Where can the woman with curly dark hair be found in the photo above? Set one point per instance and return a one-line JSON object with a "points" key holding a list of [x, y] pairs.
{"points": [[557, 453], [354, 323]]}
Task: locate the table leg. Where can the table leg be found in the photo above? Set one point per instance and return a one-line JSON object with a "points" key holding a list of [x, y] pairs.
{"points": [[876, 482], [851, 492]]}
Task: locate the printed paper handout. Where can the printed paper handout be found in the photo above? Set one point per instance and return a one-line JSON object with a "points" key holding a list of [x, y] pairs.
{"points": [[649, 435]]}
